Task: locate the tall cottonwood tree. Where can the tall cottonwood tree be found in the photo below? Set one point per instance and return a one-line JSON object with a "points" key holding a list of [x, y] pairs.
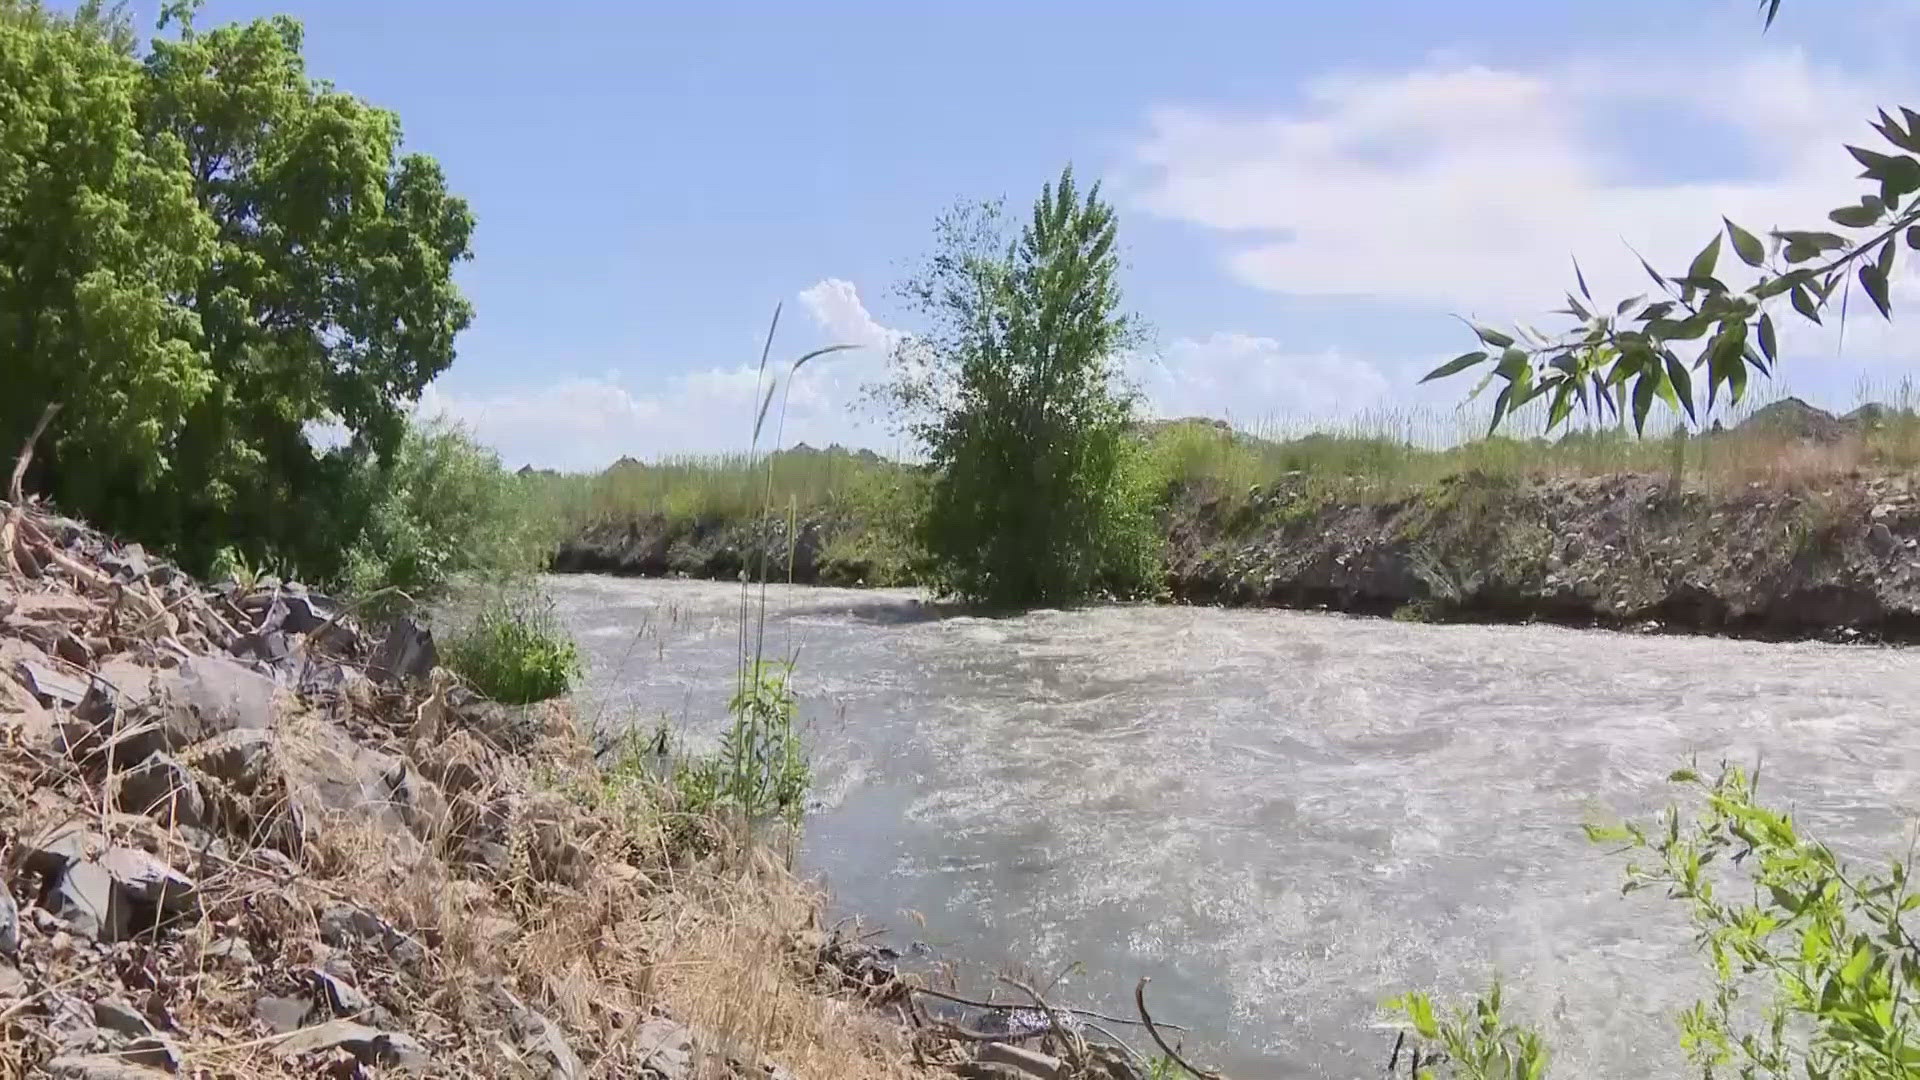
{"points": [[203, 253]]}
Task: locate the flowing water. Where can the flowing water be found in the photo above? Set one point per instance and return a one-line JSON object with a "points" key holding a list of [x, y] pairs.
{"points": [[1281, 817]]}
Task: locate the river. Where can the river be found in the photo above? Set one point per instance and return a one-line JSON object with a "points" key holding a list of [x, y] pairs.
{"points": [[1282, 817]]}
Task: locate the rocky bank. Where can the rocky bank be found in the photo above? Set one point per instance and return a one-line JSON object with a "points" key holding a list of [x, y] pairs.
{"points": [[243, 835], [1838, 559]]}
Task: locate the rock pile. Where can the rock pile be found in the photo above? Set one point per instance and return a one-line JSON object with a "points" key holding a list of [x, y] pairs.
{"points": [[209, 801], [242, 834]]}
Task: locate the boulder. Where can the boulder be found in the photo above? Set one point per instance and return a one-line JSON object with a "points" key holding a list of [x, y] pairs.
{"points": [[163, 789], [338, 994], [208, 695], [104, 892]]}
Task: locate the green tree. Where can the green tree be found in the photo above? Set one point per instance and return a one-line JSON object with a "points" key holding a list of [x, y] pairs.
{"points": [[218, 253], [1697, 334], [1016, 394]]}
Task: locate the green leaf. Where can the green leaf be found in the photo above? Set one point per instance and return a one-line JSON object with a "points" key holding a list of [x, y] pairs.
{"points": [[1493, 337], [1885, 262], [1703, 263], [1683, 776], [1456, 365], [1913, 237], [1644, 389], [1745, 244], [1767, 341], [1875, 163], [1875, 282], [1513, 364], [1803, 303], [1856, 966], [1681, 386], [1500, 405], [1562, 402], [1855, 217]]}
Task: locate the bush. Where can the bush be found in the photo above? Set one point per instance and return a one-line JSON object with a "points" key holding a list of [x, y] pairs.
{"points": [[760, 771], [1814, 970], [515, 651], [1016, 393], [443, 508]]}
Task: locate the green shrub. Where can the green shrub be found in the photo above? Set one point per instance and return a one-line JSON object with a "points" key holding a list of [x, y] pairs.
{"points": [[1814, 970], [514, 651], [441, 509], [760, 771], [1016, 393]]}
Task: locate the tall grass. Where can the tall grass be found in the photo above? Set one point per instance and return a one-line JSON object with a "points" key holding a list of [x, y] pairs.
{"points": [[1381, 452]]}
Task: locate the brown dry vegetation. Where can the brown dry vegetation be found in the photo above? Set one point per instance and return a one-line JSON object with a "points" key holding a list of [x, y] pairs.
{"points": [[494, 862]]}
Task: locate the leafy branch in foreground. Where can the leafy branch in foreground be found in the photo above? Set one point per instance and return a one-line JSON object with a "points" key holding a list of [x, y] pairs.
{"points": [[1642, 349]]}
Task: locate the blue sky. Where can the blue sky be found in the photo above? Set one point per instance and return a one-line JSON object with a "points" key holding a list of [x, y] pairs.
{"points": [[1308, 191]]}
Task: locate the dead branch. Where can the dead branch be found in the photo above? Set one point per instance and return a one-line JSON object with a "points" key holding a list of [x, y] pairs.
{"points": [[16, 488], [16, 491], [1146, 1018], [1004, 1006], [1076, 1046]]}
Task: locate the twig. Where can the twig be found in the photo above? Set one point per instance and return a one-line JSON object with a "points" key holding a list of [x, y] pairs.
{"points": [[16, 491], [1009, 1007], [1146, 1018], [16, 488], [1076, 1046]]}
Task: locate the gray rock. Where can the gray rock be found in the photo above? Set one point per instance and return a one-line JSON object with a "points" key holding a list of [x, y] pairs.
{"points": [[405, 654], [84, 901], [152, 1051], [339, 995], [9, 925], [282, 1014], [665, 1047], [345, 925], [371, 1046], [13, 985], [542, 1039], [100, 1067], [120, 1018], [163, 789], [1881, 538], [231, 950], [419, 801], [70, 1021], [207, 695]]}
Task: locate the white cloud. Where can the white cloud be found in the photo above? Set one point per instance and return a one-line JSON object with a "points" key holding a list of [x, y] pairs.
{"points": [[585, 422], [837, 310], [1469, 186], [1248, 379]]}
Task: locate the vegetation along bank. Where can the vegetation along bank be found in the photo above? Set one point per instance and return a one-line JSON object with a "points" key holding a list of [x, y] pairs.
{"points": [[1791, 523]]}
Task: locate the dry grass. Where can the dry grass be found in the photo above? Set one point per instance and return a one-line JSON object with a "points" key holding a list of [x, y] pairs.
{"points": [[600, 920]]}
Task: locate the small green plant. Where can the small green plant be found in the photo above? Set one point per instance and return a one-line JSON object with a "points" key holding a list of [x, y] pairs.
{"points": [[515, 651], [1815, 971], [760, 771], [1476, 1042]]}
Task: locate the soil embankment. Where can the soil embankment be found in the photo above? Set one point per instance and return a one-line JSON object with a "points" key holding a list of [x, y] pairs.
{"points": [[1837, 558]]}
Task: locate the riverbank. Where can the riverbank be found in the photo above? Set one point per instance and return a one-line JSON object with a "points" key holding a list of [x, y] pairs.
{"points": [[1836, 558], [244, 835]]}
